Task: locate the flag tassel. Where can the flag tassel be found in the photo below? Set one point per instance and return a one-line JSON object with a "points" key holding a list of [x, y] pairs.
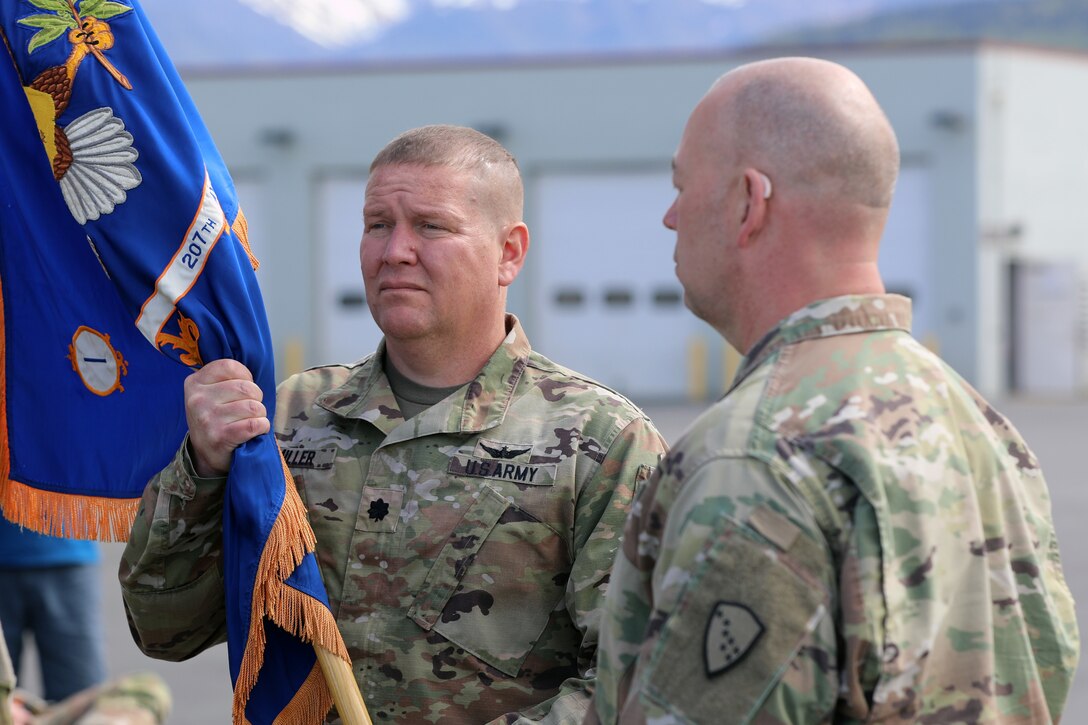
{"points": [[299, 614], [66, 515], [47, 512]]}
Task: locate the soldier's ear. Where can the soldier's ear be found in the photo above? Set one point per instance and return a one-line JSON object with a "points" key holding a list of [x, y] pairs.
{"points": [[515, 246], [758, 193]]}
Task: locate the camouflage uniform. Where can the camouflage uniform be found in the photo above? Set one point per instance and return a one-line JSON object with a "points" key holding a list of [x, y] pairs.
{"points": [[851, 535], [7, 682], [465, 551], [137, 699]]}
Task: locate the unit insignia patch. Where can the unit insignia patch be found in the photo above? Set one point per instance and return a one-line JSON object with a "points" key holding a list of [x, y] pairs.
{"points": [[731, 632]]}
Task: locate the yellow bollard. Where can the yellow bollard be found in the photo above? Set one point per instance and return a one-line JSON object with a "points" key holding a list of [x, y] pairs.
{"points": [[293, 358], [932, 343], [730, 362], [697, 369]]}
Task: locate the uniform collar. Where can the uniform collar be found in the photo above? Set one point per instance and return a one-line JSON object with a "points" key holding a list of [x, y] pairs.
{"points": [[844, 315], [476, 406]]}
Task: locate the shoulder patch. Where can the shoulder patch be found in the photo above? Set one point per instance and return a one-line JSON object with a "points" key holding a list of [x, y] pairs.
{"points": [[731, 632]]}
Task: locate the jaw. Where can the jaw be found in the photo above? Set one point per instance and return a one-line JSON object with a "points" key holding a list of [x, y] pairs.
{"points": [[403, 314]]}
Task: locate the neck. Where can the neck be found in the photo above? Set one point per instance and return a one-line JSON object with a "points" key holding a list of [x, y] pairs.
{"points": [[787, 293], [443, 363], [815, 251]]}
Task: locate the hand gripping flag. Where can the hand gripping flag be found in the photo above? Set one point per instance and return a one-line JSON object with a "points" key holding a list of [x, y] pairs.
{"points": [[119, 227]]}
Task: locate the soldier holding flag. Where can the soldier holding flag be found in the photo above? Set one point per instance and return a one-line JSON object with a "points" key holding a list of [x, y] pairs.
{"points": [[466, 492]]}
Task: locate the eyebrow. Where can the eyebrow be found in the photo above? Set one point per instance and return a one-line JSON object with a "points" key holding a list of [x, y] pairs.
{"points": [[423, 208]]}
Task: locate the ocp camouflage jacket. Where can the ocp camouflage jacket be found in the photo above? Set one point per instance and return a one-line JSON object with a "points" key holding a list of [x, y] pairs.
{"points": [[465, 551], [851, 535]]}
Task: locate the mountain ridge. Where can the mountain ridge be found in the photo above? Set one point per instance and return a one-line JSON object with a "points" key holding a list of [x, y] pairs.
{"points": [[213, 34]]}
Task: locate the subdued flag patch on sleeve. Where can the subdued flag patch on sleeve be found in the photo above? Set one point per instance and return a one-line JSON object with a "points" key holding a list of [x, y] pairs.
{"points": [[744, 614], [731, 632]]}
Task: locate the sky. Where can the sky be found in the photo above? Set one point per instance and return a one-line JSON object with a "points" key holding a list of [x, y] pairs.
{"points": [[283, 33]]}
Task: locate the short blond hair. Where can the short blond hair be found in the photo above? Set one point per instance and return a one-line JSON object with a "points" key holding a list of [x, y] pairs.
{"points": [[465, 149]]}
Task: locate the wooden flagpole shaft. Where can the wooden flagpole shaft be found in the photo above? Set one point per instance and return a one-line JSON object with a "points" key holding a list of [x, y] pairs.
{"points": [[344, 688]]}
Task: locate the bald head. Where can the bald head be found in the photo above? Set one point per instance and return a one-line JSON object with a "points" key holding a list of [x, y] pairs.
{"points": [[784, 178], [811, 125], [463, 149]]}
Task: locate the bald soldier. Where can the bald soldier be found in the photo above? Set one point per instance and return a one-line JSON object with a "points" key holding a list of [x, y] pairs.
{"points": [[852, 534], [466, 492]]}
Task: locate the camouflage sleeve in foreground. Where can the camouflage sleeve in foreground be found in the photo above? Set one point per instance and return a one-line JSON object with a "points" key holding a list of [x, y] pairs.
{"points": [[703, 576], [600, 513], [141, 698], [171, 581], [851, 535], [7, 681]]}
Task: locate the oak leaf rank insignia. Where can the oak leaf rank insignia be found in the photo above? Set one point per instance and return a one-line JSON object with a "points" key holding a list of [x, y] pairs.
{"points": [[378, 510]]}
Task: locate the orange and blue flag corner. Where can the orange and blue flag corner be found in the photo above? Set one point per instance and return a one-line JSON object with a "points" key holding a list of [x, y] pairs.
{"points": [[124, 263]]}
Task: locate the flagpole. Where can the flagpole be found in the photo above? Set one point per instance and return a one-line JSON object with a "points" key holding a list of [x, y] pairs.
{"points": [[344, 688]]}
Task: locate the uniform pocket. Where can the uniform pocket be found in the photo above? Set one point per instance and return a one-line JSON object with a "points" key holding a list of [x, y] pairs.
{"points": [[495, 583], [740, 621]]}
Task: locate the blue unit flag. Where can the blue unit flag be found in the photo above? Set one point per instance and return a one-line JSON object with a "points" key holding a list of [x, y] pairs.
{"points": [[119, 227]]}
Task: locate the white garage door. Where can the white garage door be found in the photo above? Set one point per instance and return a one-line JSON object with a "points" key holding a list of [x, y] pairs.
{"points": [[605, 298], [346, 331], [906, 249]]}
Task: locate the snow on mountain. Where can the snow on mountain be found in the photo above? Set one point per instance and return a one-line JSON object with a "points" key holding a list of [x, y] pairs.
{"points": [[209, 34]]}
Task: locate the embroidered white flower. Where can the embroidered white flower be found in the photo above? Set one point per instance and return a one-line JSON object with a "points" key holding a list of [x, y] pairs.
{"points": [[103, 168]]}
